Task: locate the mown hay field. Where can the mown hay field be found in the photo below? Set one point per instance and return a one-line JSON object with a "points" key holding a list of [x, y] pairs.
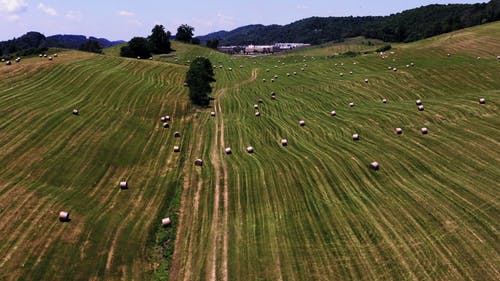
{"points": [[313, 210]]}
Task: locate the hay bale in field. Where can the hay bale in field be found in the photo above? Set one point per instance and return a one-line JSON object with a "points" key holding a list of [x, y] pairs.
{"points": [[424, 131], [138, 57], [366, 80], [50, 58], [272, 80], [498, 57], [284, 142], [256, 106], [198, 162], [63, 216], [228, 150], [8, 62], [166, 222], [418, 102], [412, 64], [250, 149], [275, 76], [390, 68], [163, 119], [350, 72], [123, 185], [449, 55], [267, 70], [288, 74], [44, 55], [166, 125], [302, 123], [294, 73], [341, 74], [177, 135], [76, 111], [384, 100], [355, 137], [186, 84], [168, 118], [3, 60], [150, 58], [56, 55], [212, 113], [264, 80], [395, 69], [177, 148], [478, 58], [302, 69], [18, 59], [261, 101], [420, 108], [399, 131], [273, 97], [351, 104], [482, 101], [257, 113], [333, 113], [375, 166], [241, 66], [230, 69], [40, 55]]}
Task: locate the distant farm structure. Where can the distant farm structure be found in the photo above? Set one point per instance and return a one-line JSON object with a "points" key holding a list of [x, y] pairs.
{"points": [[261, 49]]}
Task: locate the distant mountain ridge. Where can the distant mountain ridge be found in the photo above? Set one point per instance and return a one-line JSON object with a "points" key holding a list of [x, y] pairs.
{"points": [[33, 42], [407, 26]]}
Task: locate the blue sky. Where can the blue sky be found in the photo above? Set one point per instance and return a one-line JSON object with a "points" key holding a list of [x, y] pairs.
{"points": [[114, 19]]}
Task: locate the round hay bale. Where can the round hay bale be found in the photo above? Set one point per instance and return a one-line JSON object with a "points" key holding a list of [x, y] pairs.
{"points": [[264, 80], [186, 84], [44, 55], [3, 60], [267, 70], [355, 137], [150, 58], [50, 58], [418, 102], [166, 125], [18, 59], [341, 74], [498, 57], [230, 69], [351, 104], [275, 76], [288, 74], [302, 123], [482, 101], [302, 69], [228, 150], [420, 108], [212, 113], [123, 185], [478, 58], [256, 106], [350, 72], [8, 62], [250, 149], [56, 55], [395, 69], [390, 68], [333, 113], [399, 131], [273, 97], [272, 80], [198, 162], [76, 111], [424, 131], [177, 148], [294, 73], [40, 55], [63, 216], [449, 55], [138, 57], [177, 134], [412, 64], [375, 166], [384, 100], [168, 118], [163, 119], [284, 142], [257, 113], [366, 80], [261, 101], [166, 222]]}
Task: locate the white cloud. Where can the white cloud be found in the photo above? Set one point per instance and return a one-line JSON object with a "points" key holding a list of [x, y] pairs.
{"points": [[124, 13], [48, 10], [13, 6], [74, 15]]}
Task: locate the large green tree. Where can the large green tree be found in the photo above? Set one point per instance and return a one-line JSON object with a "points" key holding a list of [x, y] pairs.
{"points": [[185, 33], [160, 40], [198, 79], [137, 47], [91, 46]]}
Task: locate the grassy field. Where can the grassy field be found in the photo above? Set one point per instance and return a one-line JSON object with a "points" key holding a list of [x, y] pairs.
{"points": [[313, 210]]}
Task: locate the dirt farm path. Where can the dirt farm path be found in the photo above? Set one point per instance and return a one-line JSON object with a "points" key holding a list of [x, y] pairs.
{"points": [[185, 256]]}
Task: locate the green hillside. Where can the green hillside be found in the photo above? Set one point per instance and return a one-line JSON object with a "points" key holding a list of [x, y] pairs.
{"points": [[313, 210]]}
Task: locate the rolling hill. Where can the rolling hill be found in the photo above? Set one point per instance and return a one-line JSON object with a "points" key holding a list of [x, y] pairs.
{"points": [[313, 210]]}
